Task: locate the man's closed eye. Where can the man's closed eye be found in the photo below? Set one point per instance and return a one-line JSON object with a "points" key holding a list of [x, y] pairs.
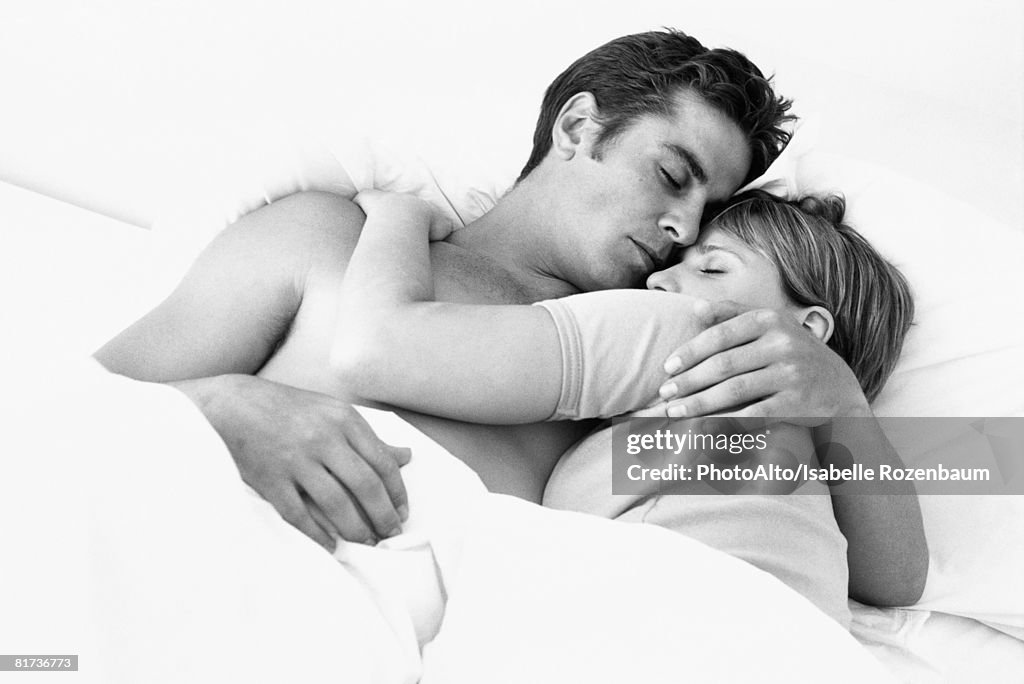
{"points": [[670, 180]]}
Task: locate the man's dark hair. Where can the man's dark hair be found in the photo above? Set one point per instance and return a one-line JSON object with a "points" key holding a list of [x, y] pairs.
{"points": [[642, 73]]}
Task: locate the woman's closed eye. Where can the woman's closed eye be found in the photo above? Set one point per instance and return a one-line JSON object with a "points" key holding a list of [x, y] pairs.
{"points": [[712, 264]]}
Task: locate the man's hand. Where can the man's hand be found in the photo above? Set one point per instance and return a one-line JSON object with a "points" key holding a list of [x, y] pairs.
{"points": [[758, 364], [311, 456], [393, 206]]}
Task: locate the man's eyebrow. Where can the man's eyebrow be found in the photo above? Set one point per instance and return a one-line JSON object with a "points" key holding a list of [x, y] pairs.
{"points": [[690, 159]]}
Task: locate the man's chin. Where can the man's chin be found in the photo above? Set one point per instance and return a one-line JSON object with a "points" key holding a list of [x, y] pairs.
{"points": [[634, 280]]}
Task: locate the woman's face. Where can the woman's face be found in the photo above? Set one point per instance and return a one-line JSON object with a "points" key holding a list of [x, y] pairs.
{"points": [[720, 267]]}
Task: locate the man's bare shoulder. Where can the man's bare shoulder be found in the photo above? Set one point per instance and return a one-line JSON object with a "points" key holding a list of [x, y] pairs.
{"points": [[320, 215], [302, 231], [239, 298]]}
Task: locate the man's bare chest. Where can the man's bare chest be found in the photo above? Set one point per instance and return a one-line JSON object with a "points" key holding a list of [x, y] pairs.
{"points": [[510, 459], [465, 277]]}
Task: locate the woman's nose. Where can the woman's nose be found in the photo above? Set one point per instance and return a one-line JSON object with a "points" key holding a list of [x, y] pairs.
{"points": [[662, 280]]}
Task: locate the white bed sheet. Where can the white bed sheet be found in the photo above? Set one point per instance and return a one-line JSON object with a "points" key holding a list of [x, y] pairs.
{"points": [[930, 647], [132, 542], [73, 278]]}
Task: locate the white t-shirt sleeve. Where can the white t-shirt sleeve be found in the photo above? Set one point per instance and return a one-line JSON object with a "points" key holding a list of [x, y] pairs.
{"points": [[614, 345]]}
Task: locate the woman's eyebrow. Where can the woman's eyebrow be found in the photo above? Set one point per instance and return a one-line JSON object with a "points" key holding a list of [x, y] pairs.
{"points": [[690, 159], [707, 247]]}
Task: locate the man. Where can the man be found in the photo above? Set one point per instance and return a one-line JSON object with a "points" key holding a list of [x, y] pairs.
{"points": [[635, 140]]}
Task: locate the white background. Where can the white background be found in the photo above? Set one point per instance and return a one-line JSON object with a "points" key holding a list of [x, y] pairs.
{"points": [[130, 106]]}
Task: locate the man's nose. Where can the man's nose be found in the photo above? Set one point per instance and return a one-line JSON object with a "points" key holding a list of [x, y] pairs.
{"points": [[682, 224]]}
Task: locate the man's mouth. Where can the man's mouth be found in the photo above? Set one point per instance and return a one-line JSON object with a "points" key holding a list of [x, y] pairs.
{"points": [[649, 255]]}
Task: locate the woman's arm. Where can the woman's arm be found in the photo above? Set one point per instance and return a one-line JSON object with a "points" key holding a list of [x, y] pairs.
{"points": [[590, 355], [488, 364]]}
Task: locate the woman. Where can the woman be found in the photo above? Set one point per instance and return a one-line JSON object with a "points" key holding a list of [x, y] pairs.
{"points": [[599, 355]]}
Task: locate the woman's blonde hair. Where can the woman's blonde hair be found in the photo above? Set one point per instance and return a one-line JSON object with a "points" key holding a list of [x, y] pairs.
{"points": [[824, 262]]}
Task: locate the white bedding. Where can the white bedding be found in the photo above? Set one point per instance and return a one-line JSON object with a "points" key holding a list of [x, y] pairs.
{"points": [[931, 647], [130, 543], [138, 548], [130, 540]]}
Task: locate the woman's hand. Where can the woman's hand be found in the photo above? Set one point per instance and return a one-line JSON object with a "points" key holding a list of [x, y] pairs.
{"points": [[402, 208]]}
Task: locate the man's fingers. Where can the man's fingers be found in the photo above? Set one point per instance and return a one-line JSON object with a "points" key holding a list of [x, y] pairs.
{"points": [[656, 411], [366, 442], [764, 411], [725, 396], [321, 520], [722, 366], [721, 311], [387, 468], [367, 487], [402, 455], [294, 511], [336, 505], [730, 333], [383, 458]]}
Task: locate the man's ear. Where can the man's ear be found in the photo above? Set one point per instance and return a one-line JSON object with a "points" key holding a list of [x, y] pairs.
{"points": [[575, 125], [819, 321]]}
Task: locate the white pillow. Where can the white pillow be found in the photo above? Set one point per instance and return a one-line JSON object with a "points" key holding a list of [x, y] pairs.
{"points": [[963, 357]]}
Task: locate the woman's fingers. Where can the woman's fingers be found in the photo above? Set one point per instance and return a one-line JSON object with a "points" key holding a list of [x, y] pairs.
{"points": [[369, 198]]}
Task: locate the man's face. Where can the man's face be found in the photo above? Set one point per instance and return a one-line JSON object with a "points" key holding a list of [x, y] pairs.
{"points": [[625, 210]]}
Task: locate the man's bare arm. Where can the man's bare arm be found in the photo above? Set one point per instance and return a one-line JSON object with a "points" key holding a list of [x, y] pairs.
{"points": [[239, 297], [217, 329], [887, 550]]}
